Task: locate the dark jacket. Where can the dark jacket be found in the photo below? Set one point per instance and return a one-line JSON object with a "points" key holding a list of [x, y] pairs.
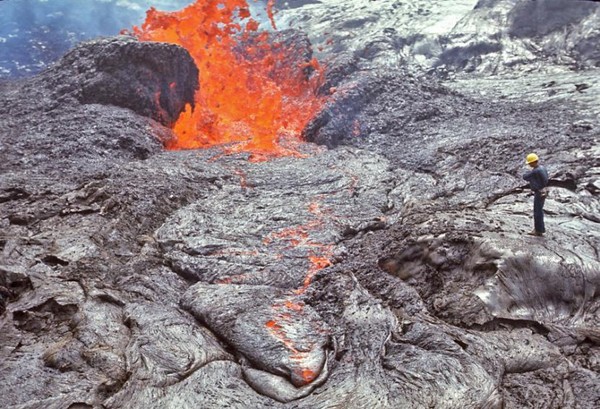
{"points": [[537, 178]]}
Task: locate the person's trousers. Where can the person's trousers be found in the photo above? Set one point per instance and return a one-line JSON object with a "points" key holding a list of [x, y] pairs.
{"points": [[538, 212]]}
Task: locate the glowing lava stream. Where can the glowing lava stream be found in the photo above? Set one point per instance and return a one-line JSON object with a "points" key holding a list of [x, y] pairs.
{"points": [[250, 94], [299, 236], [284, 312]]}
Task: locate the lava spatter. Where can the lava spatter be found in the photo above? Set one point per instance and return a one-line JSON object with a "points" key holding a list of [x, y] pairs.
{"points": [[249, 96]]}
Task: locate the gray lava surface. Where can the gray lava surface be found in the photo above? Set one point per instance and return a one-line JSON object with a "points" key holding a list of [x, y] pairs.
{"points": [[388, 267]]}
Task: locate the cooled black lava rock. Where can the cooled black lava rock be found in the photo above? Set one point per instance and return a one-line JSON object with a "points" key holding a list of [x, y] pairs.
{"points": [[152, 79], [105, 101]]}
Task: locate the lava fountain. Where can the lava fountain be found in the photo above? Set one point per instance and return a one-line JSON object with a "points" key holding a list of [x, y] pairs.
{"points": [[250, 95]]}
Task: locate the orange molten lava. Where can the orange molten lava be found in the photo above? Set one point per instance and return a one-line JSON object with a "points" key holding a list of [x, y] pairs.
{"points": [[279, 330], [248, 94]]}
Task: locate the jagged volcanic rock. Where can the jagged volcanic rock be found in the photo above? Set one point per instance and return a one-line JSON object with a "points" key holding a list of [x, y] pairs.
{"points": [[85, 105], [509, 34], [126, 73], [490, 36]]}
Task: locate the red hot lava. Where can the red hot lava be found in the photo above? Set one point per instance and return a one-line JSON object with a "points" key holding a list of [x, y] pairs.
{"points": [[252, 97], [248, 94]]}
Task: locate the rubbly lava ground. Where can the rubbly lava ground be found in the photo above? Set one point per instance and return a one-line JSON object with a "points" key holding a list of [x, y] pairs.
{"points": [[384, 265]]}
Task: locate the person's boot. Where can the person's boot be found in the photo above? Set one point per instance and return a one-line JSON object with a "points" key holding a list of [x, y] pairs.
{"points": [[535, 233]]}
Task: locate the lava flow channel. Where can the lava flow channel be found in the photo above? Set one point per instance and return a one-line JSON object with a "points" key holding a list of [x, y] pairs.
{"points": [[250, 94]]}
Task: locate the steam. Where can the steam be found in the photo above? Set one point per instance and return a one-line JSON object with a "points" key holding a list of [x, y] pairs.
{"points": [[35, 33]]}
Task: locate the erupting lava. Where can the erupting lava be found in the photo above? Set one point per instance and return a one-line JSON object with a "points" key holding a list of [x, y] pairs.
{"points": [[249, 92]]}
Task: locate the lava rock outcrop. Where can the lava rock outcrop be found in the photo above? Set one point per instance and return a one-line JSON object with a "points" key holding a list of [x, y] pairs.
{"points": [[127, 73], [487, 36]]}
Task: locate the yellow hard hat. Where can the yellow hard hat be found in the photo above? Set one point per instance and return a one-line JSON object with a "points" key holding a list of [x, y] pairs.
{"points": [[532, 157]]}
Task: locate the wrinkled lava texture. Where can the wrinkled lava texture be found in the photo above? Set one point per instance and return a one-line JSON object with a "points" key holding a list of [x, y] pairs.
{"points": [[384, 264]]}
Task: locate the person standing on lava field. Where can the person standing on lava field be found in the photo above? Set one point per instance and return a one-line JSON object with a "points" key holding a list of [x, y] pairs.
{"points": [[538, 181]]}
